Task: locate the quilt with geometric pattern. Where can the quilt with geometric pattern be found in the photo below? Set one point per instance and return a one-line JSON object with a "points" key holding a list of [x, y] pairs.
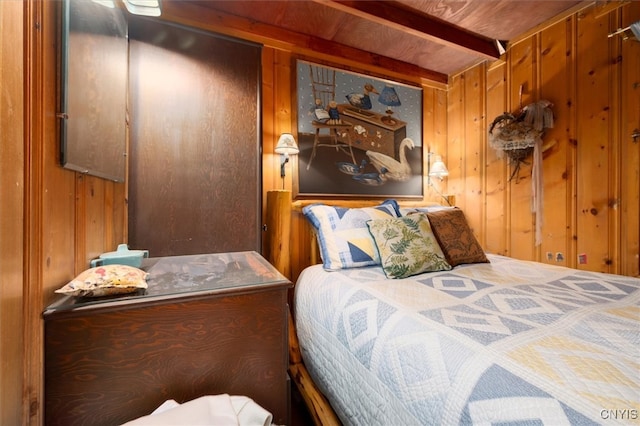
{"points": [[508, 342]]}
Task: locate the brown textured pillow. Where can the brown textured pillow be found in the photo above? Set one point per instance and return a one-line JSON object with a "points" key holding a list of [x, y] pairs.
{"points": [[456, 239]]}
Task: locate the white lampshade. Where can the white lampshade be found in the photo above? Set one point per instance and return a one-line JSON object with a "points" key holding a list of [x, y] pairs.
{"points": [[438, 169], [287, 145]]}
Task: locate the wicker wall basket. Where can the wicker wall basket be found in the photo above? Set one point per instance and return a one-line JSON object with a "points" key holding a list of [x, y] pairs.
{"points": [[513, 137]]}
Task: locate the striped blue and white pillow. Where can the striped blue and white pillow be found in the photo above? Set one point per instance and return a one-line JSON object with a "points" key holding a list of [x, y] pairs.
{"points": [[343, 234]]}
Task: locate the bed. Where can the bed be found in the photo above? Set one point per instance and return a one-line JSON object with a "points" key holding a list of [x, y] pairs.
{"points": [[488, 340]]}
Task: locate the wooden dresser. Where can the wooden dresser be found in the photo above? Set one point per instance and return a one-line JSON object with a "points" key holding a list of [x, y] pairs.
{"points": [[373, 131], [207, 325]]}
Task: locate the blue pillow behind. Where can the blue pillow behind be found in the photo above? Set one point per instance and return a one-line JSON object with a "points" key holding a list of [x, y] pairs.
{"points": [[343, 234], [405, 211]]}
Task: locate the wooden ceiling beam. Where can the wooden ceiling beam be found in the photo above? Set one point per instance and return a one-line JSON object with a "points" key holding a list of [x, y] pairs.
{"points": [[400, 17], [203, 15]]}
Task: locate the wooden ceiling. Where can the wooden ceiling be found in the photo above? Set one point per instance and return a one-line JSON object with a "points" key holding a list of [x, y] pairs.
{"points": [[442, 37]]}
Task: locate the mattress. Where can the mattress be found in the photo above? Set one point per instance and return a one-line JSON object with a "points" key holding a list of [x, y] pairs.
{"points": [[505, 342]]}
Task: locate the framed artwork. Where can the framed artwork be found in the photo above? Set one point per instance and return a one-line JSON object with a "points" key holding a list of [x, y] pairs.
{"points": [[358, 135]]}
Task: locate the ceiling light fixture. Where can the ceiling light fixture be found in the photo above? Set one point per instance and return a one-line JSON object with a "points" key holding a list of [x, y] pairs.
{"points": [[144, 7]]}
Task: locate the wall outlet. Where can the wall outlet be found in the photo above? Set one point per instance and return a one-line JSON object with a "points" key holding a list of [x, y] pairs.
{"points": [[549, 256], [559, 257], [582, 258]]}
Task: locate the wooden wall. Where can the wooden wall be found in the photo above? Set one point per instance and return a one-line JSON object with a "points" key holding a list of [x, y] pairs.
{"points": [[629, 151], [11, 210], [56, 220], [591, 172]]}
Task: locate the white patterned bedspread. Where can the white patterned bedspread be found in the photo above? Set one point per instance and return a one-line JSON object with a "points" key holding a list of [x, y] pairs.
{"points": [[509, 342]]}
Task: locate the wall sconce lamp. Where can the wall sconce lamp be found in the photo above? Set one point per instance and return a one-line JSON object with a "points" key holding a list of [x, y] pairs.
{"points": [[144, 7], [286, 146], [437, 169]]}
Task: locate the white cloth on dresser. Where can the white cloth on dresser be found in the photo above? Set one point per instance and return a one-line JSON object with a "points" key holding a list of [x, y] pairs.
{"points": [[218, 410]]}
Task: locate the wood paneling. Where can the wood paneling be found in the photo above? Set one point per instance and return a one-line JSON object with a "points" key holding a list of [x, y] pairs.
{"points": [[595, 146], [278, 225], [555, 70], [434, 101], [194, 166], [11, 210], [473, 148], [521, 92], [466, 139], [456, 138], [629, 205], [68, 217], [496, 239], [591, 165], [269, 164]]}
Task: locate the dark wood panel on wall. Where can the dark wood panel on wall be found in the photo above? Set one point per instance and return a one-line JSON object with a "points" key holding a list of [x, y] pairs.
{"points": [[195, 174]]}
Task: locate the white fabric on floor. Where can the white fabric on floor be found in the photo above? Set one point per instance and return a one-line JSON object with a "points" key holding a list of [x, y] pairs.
{"points": [[219, 410]]}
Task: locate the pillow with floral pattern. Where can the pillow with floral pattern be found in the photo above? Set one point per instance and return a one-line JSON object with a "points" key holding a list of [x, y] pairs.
{"points": [[407, 246], [106, 280]]}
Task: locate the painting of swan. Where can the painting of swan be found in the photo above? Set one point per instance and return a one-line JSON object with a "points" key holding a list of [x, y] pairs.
{"points": [[379, 166], [395, 170]]}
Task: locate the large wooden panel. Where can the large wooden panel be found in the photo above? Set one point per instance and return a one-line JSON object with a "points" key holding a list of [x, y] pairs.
{"points": [[474, 148], [594, 74], [555, 65], [269, 162], [630, 149], [466, 147], [11, 211], [194, 165], [497, 226], [434, 119], [521, 90], [455, 141]]}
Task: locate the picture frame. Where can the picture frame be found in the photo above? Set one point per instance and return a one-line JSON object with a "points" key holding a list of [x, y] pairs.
{"points": [[358, 135]]}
